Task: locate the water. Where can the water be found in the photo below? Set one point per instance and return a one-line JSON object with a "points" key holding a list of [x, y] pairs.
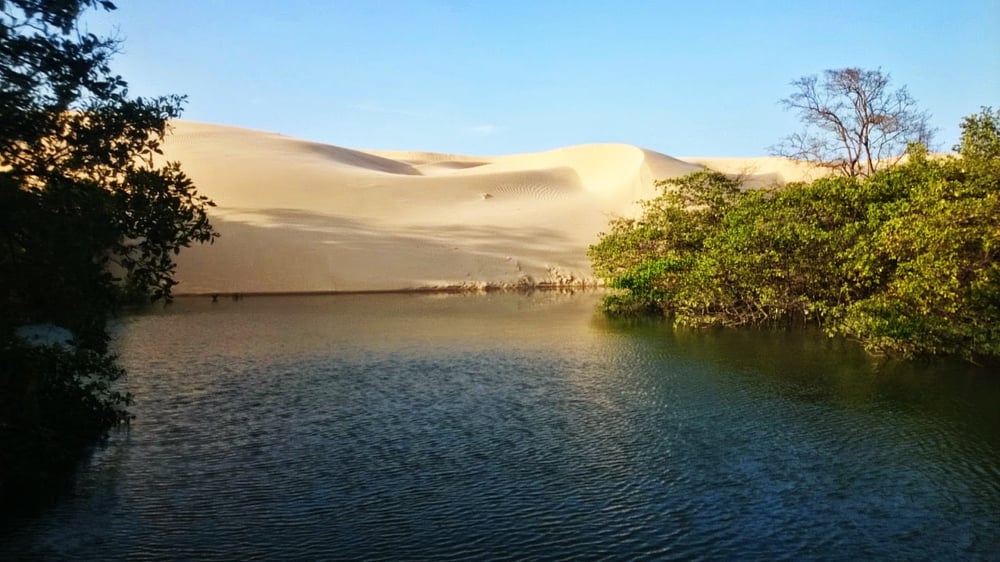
{"points": [[518, 427]]}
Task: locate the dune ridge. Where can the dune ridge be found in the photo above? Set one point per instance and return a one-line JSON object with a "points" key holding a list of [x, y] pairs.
{"points": [[299, 217]]}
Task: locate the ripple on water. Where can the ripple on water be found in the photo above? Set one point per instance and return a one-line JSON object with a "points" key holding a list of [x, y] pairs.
{"points": [[589, 439]]}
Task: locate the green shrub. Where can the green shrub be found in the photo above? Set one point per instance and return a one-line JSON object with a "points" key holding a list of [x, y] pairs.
{"points": [[905, 261]]}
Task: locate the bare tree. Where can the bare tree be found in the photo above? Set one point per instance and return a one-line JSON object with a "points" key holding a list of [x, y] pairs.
{"points": [[855, 125]]}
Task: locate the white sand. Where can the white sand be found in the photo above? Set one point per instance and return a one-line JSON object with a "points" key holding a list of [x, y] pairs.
{"points": [[297, 216], [761, 171]]}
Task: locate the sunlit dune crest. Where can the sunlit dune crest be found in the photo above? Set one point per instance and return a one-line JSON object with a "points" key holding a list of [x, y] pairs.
{"points": [[298, 216]]}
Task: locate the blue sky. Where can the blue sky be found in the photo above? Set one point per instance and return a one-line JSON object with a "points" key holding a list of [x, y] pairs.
{"points": [[505, 76]]}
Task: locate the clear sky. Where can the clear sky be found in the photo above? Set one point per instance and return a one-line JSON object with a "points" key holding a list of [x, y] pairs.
{"points": [[695, 77]]}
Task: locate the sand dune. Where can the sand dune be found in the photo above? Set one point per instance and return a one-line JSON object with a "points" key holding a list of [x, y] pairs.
{"points": [[297, 216], [761, 171]]}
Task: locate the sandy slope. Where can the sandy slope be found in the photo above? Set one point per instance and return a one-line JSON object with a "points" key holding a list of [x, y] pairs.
{"points": [[761, 171], [301, 216]]}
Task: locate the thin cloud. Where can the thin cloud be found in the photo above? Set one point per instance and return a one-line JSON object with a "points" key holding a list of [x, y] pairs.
{"points": [[487, 129], [374, 107]]}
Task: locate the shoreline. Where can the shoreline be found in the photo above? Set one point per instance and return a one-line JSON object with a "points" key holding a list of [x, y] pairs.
{"points": [[300, 217], [455, 290]]}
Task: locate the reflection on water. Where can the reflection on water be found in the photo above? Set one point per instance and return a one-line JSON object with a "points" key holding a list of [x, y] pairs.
{"points": [[512, 427]]}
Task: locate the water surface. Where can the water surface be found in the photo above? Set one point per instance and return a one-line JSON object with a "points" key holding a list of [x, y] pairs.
{"points": [[522, 427]]}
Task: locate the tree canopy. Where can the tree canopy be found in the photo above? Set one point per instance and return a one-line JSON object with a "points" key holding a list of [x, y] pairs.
{"points": [[980, 136], [855, 124], [88, 212], [904, 260], [90, 217]]}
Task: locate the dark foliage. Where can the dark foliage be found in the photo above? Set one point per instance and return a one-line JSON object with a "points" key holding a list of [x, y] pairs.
{"points": [[90, 216]]}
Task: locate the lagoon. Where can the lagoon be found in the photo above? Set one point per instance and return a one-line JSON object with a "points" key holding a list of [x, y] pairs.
{"points": [[513, 427]]}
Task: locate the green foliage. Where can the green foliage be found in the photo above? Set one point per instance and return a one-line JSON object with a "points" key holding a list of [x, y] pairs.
{"points": [[980, 136], [942, 242], [651, 258], [89, 216], [904, 261]]}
